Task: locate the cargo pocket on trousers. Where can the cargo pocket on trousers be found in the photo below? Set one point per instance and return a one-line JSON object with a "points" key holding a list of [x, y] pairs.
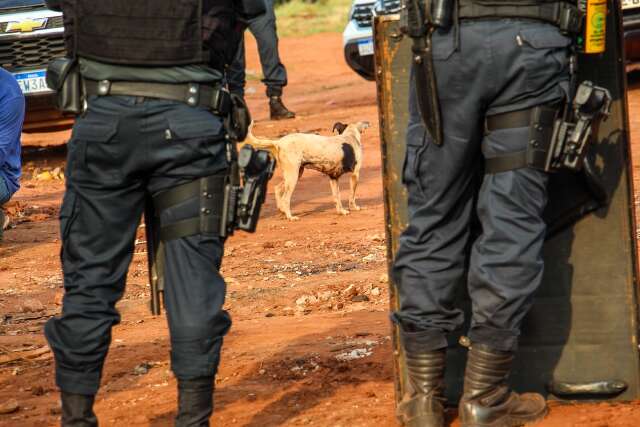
{"points": [[411, 170], [68, 215], [546, 56], [96, 154]]}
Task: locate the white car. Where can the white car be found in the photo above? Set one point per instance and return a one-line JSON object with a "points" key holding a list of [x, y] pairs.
{"points": [[358, 35]]}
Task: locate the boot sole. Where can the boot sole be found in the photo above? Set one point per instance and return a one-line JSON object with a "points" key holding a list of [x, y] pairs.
{"points": [[512, 421]]}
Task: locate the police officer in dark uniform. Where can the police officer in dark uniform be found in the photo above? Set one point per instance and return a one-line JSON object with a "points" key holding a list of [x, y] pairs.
{"points": [[263, 28], [154, 124], [493, 66]]}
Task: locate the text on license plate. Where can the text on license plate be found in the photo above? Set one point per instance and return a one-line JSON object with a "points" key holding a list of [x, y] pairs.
{"points": [[630, 4], [365, 47], [32, 81]]}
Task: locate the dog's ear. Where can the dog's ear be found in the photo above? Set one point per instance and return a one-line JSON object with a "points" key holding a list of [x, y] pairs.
{"points": [[339, 127], [362, 126]]}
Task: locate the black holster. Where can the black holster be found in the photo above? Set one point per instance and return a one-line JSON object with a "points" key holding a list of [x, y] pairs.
{"points": [[63, 76]]}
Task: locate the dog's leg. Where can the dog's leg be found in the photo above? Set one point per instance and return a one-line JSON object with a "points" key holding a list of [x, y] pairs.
{"points": [[353, 180], [290, 180], [278, 194], [335, 189]]}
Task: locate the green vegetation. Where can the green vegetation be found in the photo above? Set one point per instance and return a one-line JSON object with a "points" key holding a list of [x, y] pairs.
{"points": [[302, 18]]}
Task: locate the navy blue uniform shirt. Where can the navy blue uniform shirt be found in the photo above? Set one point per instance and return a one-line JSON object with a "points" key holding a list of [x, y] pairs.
{"points": [[11, 120]]}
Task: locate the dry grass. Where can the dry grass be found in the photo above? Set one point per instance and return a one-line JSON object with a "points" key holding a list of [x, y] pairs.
{"points": [[299, 18]]}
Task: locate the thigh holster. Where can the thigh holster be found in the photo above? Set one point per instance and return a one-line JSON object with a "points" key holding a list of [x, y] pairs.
{"points": [[538, 154], [559, 133], [210, 191]]}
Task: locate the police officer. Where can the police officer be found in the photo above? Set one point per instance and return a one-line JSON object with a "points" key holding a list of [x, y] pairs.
{"points": [[493, 66], [152, 71], [263, 28]]}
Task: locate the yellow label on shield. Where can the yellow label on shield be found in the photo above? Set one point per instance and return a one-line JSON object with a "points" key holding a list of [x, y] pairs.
{"points": [[596, 26]]}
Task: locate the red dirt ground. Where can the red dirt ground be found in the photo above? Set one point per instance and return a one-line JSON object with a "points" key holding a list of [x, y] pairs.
{"points": [[291, 291]]}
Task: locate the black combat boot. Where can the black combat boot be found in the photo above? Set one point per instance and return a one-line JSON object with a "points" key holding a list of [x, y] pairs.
{"points": [[423, 402], [278, 110], [77, 410], [487, 400], [195, 402]]}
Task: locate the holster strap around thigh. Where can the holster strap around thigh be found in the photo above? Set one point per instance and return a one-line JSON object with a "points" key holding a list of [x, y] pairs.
{"points": [[540, 120], [209, 190]]}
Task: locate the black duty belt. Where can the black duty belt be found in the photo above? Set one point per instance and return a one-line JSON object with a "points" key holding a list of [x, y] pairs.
{"points": [[215, 98], [564, 15]]}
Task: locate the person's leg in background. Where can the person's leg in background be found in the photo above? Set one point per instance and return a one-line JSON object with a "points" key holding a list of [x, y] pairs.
{"points": [[264, 30], [236, 74]]}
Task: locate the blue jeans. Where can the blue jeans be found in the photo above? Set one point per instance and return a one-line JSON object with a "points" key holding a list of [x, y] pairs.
{"points": [[5, 195]]}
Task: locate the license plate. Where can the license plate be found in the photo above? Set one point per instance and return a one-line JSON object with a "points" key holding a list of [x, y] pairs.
{"points": [[33, 82], [630, 4], [365, 47]]}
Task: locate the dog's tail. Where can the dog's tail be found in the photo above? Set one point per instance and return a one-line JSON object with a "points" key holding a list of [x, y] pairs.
{"points": [[260, 143]]}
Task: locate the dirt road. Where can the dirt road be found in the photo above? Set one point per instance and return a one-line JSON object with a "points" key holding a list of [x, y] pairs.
{"points": [[310, 341]]}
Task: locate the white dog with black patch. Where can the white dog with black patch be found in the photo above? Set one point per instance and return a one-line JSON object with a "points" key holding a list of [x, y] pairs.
{"points": [[332, 155]]}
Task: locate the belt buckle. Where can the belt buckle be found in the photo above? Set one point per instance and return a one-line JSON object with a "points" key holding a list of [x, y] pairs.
{"points": [[221, 102]]}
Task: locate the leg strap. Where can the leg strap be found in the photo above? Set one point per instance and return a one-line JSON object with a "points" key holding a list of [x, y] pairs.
{"points": [[540, 120], [507, 162], [210, 191]]}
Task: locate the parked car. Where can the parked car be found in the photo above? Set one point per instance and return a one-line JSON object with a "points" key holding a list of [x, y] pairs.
{"points": [[30, 36], [358, 35], [358, 40]]}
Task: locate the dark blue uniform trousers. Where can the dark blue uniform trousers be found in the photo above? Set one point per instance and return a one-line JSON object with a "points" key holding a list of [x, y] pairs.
{"points": [[263, 29], [122, 148], [493, 66]]}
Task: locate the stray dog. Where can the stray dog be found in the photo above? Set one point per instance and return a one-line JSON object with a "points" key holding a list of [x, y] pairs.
{"points": [[332, 155]]}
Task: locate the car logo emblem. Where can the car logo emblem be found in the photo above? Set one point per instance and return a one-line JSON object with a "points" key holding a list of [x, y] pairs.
{"points": [[26, 26]]}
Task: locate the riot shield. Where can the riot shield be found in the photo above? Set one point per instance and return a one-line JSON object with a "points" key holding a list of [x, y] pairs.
{"points": [[580, 339]]}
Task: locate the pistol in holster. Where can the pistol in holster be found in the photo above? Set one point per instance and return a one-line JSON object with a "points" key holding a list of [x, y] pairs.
{"points": [[559, 133]]}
